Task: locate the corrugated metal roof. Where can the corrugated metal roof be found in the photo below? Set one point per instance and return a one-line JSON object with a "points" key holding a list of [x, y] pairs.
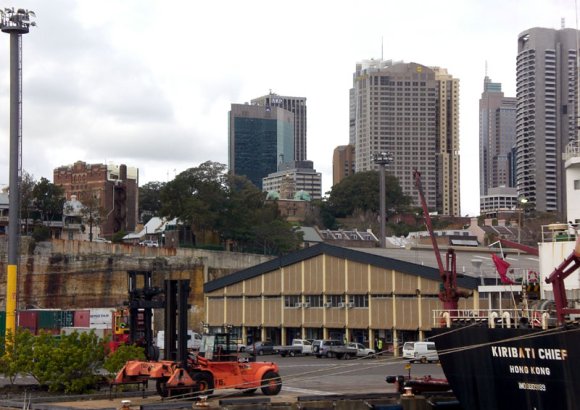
{"points": [[359, 255]]}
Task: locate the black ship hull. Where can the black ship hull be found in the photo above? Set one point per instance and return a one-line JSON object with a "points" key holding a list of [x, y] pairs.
{"points": [[511, 368]]}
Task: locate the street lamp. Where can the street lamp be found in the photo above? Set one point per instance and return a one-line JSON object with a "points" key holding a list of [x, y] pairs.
{"points": [[14, 23], [521, 202], [382, 159]]}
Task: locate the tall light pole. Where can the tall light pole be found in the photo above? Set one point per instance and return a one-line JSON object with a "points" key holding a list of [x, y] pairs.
{"points": [[16, 23], [522, 201], [382, 159]]}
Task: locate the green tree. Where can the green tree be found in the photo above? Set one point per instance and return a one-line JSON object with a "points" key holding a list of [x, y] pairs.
{"points": [[26, 198], [273, 234], [69, 363], [116, 360], [16, 354], [196, 196], [48, 200], [150, 200], [240, 214], [361, 192]]}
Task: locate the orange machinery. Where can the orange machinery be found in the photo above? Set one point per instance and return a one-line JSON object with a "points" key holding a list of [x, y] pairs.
{"points": [[218, 365]]}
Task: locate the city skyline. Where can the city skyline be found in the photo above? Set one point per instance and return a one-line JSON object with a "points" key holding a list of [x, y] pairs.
{"points": [[103, 82]]}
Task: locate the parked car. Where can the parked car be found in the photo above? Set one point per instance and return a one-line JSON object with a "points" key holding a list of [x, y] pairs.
{"points": [[260, 348], [149, 244], [323, 347], [420, 352], [298, 346], [102, 240], [362, 350]]}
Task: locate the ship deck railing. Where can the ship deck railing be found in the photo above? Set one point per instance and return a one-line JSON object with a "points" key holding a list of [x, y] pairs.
{"points": [[559, 232], [506, 318]]}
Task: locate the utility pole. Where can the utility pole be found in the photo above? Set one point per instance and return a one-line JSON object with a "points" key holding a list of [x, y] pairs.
{"points": [[382, 159], [15, 23]]}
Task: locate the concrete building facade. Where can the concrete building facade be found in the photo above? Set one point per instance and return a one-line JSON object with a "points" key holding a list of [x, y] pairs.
{"points": [[293, 178], [110, 192], [412, 111], [260, 139], [297, 106], [546, 114]]}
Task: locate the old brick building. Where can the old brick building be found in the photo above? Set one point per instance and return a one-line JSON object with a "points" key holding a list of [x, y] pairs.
{"points": [[110, 191]]}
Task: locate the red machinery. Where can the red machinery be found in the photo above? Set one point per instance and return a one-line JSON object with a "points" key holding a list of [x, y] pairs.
{"points": [[217, 366], [449, 294], [556, 278], [120, 334]]}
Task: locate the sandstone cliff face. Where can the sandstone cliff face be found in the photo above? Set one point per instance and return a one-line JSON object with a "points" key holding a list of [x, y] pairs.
{"points": [[75, 275]]}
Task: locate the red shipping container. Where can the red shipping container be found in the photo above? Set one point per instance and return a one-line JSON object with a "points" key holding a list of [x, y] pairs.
{"points": [[82, 318], [28, 320]]}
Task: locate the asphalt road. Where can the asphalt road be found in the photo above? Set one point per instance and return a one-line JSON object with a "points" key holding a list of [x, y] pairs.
{"points": [[310, 376]]}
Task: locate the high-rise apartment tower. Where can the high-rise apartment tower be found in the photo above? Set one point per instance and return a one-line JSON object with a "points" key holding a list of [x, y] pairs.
{"points": [[412, 111], [547, 108]]}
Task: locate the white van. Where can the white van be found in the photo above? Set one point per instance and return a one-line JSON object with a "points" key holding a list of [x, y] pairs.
{"points": [[193, 340], [420, 352]]}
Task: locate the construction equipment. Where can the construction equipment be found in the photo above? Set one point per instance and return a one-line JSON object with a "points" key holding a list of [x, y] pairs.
{"points": [[449, 294], [218, 365], [556, 278], [134, 324]]}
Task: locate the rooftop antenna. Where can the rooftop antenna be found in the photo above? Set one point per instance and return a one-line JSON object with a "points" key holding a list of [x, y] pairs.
{"points": [[382, 48], [486, 68], [563, 23]]}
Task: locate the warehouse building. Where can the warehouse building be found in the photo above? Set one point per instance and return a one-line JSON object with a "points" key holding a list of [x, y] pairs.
{"points": [[326, 291]]}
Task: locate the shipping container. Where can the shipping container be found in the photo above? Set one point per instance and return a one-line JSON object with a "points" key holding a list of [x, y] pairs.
{"points": [[2, 323], [101, 318], [82, 318], [101, 333], [55, 319], [28, 319]]}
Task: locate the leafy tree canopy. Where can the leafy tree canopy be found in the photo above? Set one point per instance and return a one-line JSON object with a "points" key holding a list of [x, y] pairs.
{"points": [[150, 199], [208, 198], [361, 192], [48, 199]]}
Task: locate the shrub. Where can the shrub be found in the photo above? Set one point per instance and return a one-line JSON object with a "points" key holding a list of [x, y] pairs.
{"points": [[116, 360], [69, 363], [16, 354], [41, 233]]}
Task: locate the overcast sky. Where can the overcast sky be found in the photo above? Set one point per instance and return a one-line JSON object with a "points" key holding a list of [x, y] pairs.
{"points": [[149, 83]]}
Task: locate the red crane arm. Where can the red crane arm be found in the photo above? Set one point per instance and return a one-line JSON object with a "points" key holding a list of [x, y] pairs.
{"points": [[556, 278], [427, 218]]}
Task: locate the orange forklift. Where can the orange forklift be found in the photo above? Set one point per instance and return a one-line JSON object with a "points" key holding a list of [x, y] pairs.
{"points": [[217, 365]]}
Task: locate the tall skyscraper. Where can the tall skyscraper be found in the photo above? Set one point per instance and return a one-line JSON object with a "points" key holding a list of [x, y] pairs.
{"points": [[297, 106], [497, 135], [260, 138], [412, 111], [546, 114]]}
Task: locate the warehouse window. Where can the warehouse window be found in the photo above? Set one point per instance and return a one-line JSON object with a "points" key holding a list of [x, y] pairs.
{"points": [[334, 300], [360, 301], [291, 301], [314, 300]]}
